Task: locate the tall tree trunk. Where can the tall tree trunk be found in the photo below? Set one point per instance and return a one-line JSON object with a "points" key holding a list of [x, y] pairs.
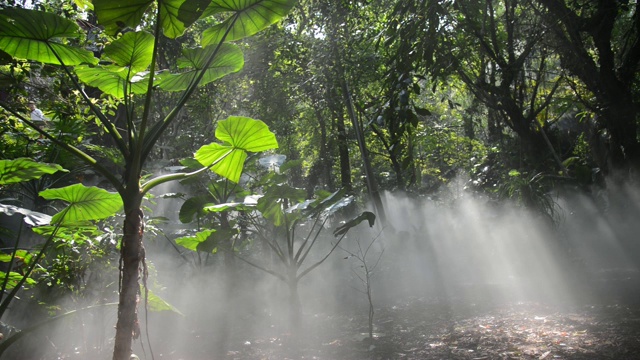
{"points": [[132, 255], [343, 152], [372, 184], [336, 25]]}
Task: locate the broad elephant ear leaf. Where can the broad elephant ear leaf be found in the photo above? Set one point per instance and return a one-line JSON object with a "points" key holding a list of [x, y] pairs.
{"points": [[240, 135], [228, 59], [133, 50], [116, 15], [36, 35], [176, 17], [192, 242], [248, 17], [192, 207], [246, 133], [113, 80], [270, 205], [85, 203], [24, 169]]}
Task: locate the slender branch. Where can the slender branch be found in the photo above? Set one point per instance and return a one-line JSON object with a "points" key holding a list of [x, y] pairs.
{"points": [[268, 271], [290, 240], [306, 240], [315, 238], [308, 270], [272, 244]]}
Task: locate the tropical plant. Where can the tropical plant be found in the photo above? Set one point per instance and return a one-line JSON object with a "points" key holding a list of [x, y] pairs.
{"points": [[288, 214], [127, 71], [531, 192]]}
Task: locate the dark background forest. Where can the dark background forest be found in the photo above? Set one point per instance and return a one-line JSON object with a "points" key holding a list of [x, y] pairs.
{"points": [[496, 141]]}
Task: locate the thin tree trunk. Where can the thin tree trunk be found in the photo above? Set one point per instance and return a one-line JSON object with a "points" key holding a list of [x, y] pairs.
{"points": [[132, 255], [372, 185], [295, 307], [343, 150], [231, 289]]}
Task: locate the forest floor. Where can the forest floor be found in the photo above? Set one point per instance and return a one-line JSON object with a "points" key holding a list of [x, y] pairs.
{"points": [[487, 327], [603, 326], [419, 329]]}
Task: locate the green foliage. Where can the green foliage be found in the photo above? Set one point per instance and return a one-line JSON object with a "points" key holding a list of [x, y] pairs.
{"points": [[240, 135], [249, 17], [276, 196], [127, 73], [156, 303], [530, 191], [36, 35], [19, 255], [24, 169], [85, 203], [193, 208], [228, 59], [14, 278], [193, 242]]}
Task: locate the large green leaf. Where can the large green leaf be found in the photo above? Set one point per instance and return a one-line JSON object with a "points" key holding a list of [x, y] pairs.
{"points": [[240, 134], [76, 233], [192, 207], [112, 79], [176, 17], [246, 133], [224, 235], [25, 169], [270, 205], [192, 242], [228, 160], [36, 35], [229, 59], [248, 17], [226, 206], [116, 15], [133, 50], [85, 203], [192, 10]]}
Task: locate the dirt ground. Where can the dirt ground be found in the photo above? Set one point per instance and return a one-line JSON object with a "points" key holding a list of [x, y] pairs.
{"points": [[606, 326], [420, 329]]}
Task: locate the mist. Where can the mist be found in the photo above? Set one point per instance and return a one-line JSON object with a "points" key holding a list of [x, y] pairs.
{"points": [[459, 251]]}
